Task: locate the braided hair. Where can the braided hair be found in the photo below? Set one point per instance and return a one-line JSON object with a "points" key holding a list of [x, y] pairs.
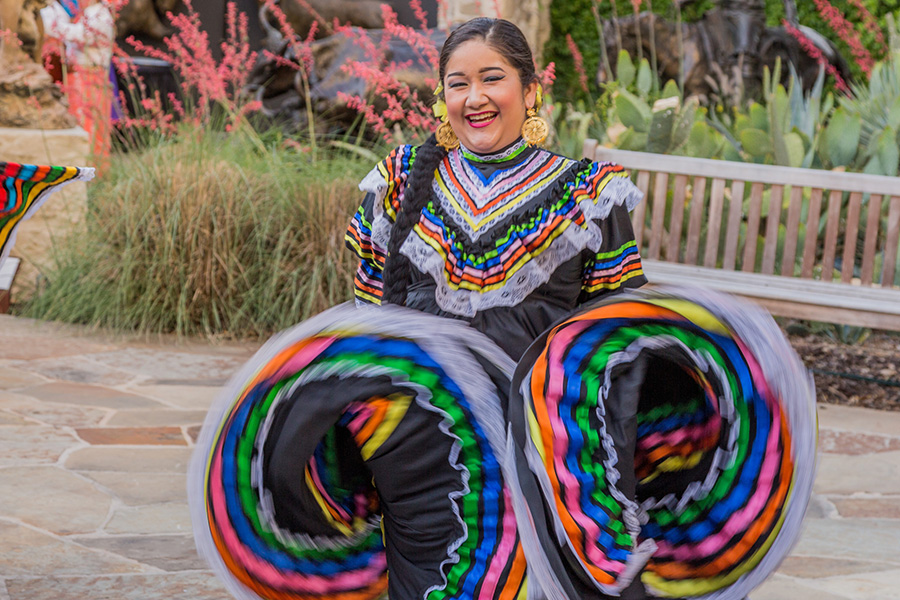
{"points": [[418, 192], [509, 41]]}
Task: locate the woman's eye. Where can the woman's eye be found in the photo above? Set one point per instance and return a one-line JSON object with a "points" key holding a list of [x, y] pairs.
{"points": [[457, 84], [494, 78]]}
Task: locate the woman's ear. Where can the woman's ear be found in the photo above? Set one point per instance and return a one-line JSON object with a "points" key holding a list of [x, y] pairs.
{"points": [[531, 94]]}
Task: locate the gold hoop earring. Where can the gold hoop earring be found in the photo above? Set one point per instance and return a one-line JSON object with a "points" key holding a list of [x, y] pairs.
{"points": [[446, 137], [534, 129]]}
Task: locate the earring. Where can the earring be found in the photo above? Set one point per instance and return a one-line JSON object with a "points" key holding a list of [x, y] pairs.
{"points": [[446, 137], [534, 129]]}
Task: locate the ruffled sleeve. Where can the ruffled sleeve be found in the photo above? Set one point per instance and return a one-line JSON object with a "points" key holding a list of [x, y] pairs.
{"points": [[616, 263], [370, 229]]}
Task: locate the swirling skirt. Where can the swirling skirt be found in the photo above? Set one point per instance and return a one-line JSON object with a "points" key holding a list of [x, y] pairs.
{"points": [[661, 442], [667, 435], [355, 428]]}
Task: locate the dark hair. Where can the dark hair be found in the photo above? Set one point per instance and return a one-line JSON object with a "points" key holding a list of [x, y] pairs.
{"points": [[500, 34], [509, 41]]}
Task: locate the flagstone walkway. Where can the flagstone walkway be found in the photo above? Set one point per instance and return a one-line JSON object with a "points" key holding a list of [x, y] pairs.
{"points": [[96, 432]]}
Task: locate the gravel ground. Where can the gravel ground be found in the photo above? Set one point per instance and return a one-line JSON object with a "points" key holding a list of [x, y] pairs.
{"points": [[852, 367]]}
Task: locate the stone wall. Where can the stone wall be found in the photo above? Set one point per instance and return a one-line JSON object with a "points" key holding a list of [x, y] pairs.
{"points": [[61, 212], [532, 17]]}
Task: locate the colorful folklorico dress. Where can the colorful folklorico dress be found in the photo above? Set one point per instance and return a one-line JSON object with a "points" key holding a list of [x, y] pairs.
{"points": [[655, 442], [511, 242]]}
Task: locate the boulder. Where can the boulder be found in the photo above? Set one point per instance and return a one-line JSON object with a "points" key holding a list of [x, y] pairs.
{"points": [[280, 88]]}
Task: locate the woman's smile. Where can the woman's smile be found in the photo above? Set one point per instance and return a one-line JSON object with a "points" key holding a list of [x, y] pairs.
{"points": [[482, 119]]}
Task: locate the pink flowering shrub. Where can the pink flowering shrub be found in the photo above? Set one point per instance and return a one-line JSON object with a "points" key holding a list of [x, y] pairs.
{"points": [[870, 23], [396, 106], [847, 33], [207, 84], [393, 103], [8, 36], [813, 51], [579, 62]]}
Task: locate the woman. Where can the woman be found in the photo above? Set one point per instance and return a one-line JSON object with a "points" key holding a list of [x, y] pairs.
{"points": [[486, 226], [383, 450], [491, 228]]}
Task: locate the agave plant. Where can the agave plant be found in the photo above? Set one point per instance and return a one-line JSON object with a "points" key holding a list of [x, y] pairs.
{"points": [[642, 119], [785, 129], [872, 109]]}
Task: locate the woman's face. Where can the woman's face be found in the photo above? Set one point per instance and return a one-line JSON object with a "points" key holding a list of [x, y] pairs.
{"points": [[486, 101]]}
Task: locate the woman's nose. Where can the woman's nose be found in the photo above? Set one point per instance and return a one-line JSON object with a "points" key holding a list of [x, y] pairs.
{"points": [[476, 96]]}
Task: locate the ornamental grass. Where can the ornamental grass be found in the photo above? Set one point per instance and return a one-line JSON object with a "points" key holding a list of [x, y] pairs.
{"points": [[217, 234]]}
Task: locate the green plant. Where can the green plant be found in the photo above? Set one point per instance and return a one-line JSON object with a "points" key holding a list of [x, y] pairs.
{"points": [[574, 17], [207, 233], [780, 131], [847, 334], [637, 117], [874, 109], [572, 125]]}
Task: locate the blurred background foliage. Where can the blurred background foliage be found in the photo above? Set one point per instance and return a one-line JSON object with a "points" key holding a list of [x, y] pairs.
{"points": [[218, 222], [575, 17]]}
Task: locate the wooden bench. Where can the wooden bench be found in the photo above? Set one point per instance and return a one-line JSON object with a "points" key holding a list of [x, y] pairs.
{"points": [[825, 250]]}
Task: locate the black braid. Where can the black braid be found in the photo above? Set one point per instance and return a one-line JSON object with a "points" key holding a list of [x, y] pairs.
{"points": [[416, 196]]}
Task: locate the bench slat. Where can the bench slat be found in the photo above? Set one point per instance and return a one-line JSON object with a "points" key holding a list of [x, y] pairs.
{"points": [[831, 234], [768, 174], [753, 218], [733, 229], [776, 198], [657, 218], [809, 311], [892, 240], [640, 211], [823, 293], [812, 233], [873, 219], [792, 231], [851, 232], [832, 210], [677, 219], [698, 201], [714, 222]]}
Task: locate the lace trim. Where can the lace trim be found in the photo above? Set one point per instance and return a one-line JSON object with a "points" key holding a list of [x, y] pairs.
{"points": [[617, 191], [510, 152], [533, 273], [387, 176], [375, 184], [529, 277]]}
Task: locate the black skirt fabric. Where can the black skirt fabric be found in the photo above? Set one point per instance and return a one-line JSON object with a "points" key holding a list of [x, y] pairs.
{"points": [[654, 444], [667, 437], [360, 442]]}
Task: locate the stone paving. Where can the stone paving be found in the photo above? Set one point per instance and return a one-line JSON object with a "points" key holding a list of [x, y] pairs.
{"points": [[96, 432]]}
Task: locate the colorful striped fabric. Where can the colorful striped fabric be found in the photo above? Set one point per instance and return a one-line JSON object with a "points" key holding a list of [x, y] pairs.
{"points": [[355, 414], [610, 270], [669, 435], [370, 228], [491, 237], [23, 188]]}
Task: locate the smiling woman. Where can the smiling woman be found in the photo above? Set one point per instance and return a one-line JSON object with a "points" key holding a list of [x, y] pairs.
{"points": [[482, 224], [489, 432], [486, 99]]}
